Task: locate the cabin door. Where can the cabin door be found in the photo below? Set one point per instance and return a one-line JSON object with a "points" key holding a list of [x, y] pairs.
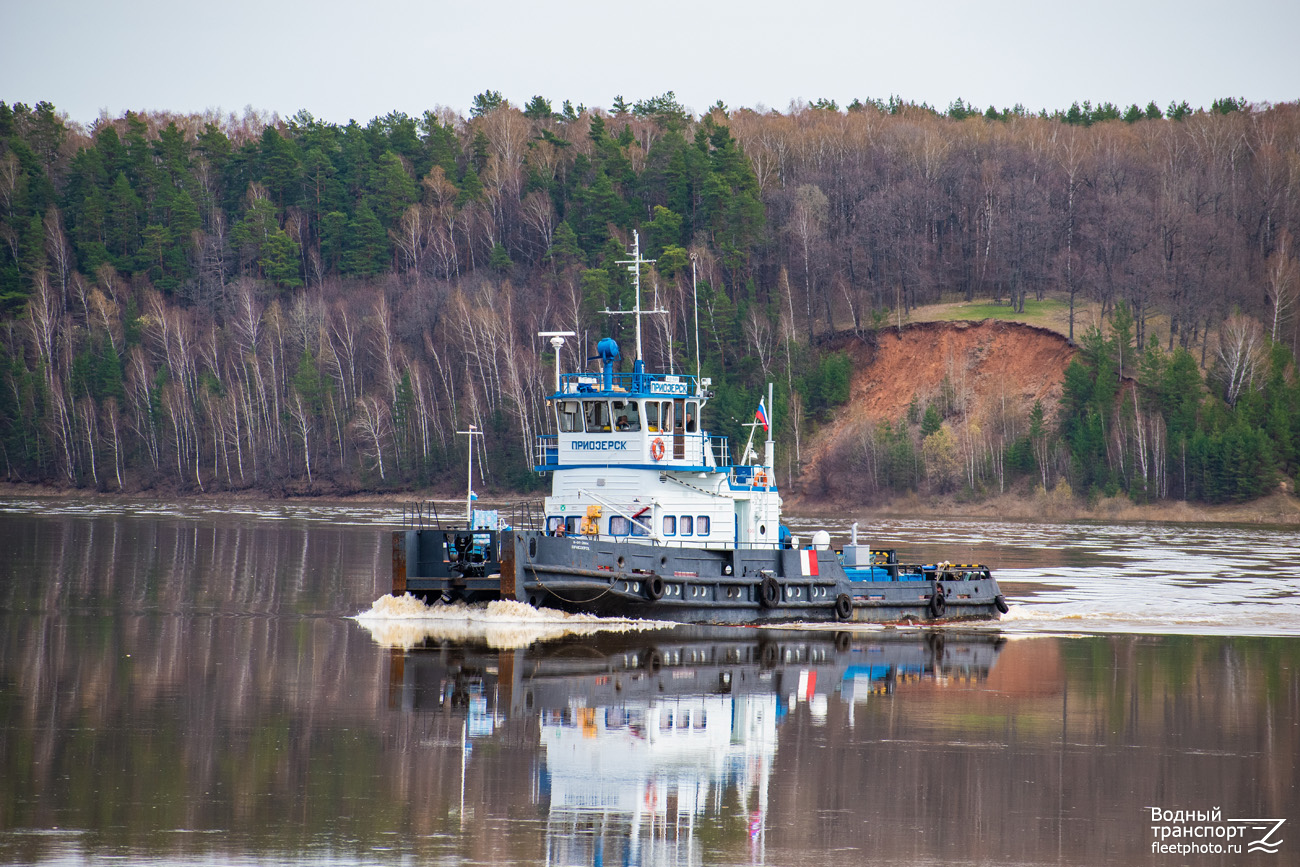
{"points": [[679, 434]]}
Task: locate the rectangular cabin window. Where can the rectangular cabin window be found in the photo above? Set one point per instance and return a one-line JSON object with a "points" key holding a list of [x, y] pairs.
{"points": [[692, 416], [679, 410], [652, 416], [597, 412], [554, 523], [670, 525], [702, 525], [666, 416], [574, 524], [619, 525], [641, 525], [687, 524], [570, 416], [626, 415]]}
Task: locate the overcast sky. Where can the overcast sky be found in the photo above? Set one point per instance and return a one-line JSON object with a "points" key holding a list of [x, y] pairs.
{"points": [[363, 59]]}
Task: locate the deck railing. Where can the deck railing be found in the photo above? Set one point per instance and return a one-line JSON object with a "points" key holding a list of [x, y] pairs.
{"points": [[546, 450], [431, 515], [720, 447], [658, 384]]}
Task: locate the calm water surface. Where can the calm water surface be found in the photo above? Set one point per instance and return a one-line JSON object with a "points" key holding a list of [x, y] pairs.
{"points": [[188, 685]]}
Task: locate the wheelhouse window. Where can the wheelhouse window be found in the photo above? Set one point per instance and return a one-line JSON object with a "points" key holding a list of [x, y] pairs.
{"points": [[659, 415], [570, 416], [627, 416], [597, 413], [687, 525], [670, 525], [692, 416], [702, 525]]}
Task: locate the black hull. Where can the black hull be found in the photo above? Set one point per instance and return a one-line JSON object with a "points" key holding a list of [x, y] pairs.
{"points": [[683, 584]]}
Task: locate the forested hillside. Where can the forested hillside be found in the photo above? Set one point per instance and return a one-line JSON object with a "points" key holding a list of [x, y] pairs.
{"points": [[214, 303]]}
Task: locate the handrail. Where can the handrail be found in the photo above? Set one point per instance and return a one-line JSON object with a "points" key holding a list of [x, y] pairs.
{"points": [[650, 530], [657, 384], [424, 515]]}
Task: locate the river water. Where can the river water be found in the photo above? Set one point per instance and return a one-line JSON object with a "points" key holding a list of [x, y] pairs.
{"points": [[194, 685]]}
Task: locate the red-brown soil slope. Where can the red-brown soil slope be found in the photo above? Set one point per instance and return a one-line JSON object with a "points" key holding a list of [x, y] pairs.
{"points": [[995, 367]]}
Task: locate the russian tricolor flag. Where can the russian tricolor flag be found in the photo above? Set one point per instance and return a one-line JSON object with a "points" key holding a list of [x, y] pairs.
{"points": [[808, 563], [760, 415]]}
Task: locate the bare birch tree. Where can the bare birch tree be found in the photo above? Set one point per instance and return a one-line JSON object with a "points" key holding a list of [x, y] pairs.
{"points": [[1241, 356]]}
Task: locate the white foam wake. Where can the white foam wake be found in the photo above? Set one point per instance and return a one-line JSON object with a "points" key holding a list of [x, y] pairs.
{"points": [[406, 621]]}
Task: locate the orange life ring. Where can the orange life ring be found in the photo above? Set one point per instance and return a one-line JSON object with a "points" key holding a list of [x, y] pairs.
{"points": [[657, 449]]}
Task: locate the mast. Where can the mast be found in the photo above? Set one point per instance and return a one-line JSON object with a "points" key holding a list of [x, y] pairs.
{"points": [[634, 266], [695, 292]]}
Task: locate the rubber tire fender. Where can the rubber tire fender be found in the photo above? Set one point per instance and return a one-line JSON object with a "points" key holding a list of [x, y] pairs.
{"points": [[938, 604], [654, 588], [1000, 602], [843, 607], [769, 592]]}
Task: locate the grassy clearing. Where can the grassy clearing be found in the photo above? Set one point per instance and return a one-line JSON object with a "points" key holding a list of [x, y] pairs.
{"points": [[1034, 310], [1050, 313]]}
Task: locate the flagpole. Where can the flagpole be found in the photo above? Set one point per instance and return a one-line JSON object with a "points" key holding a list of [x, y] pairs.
{"points": [[469, 475], [769, 456], [761, 417]]}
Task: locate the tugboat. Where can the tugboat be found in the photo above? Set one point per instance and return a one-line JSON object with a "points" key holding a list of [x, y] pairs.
{"points": [[649, 517]]}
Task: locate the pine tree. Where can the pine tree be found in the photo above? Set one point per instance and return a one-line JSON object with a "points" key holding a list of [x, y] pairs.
{"points": [[366, 247]]}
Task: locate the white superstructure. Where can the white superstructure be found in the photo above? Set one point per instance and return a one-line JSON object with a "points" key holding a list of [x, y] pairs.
{"points": [[632, 461]]}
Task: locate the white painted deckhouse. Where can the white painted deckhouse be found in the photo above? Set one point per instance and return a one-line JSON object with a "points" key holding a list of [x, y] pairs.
{"points": [[632, 461]]}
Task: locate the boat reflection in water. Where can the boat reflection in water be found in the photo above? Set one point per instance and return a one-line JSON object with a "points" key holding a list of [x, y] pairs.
{"points": [[646, 737]]}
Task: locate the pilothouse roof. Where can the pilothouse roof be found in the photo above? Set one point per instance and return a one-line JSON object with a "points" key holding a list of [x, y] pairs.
{"points": [[625, 385]]}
